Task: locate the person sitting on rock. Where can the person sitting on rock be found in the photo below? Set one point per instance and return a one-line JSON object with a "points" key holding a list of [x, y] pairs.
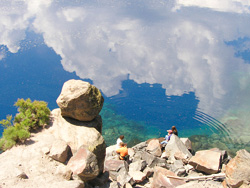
{"points": [[119, 141], [167, 137], [174, 130], [123, 151]]}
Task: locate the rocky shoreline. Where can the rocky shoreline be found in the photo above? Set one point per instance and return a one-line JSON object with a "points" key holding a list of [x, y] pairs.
{"points": [[71, 152]]}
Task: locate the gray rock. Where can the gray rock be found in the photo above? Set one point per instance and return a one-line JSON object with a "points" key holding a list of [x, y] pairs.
{"points": [[123, 176], [178, 168], [176, 145], [148, 171], [131, 152], [137, 165], [116, 167], [140, 147], [84, 164]]}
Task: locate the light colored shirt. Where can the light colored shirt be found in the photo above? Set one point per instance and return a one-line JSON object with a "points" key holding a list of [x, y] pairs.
{"points": [[118, 142]]}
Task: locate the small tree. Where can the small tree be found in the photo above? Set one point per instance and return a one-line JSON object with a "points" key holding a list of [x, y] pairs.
{"points": [[31, 116]]}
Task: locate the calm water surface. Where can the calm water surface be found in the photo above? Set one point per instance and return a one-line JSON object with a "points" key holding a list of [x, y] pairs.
{"points": [[158, 64]]}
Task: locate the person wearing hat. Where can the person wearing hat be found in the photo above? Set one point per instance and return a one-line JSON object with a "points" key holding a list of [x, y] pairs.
{"points": [[167, 137]]}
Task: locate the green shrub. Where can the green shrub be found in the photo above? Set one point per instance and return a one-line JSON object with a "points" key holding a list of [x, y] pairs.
{"points": [[31, 116], [6, 122]]}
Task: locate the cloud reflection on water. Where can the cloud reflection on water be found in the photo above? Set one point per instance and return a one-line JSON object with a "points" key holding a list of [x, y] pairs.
{"points": [[179, 44]]}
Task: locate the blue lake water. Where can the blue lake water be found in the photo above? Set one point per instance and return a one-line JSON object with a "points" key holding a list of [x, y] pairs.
{"points": [[157, 64]]}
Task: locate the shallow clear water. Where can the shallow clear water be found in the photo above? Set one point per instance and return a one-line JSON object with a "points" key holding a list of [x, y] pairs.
{"points": [[158, 64]]}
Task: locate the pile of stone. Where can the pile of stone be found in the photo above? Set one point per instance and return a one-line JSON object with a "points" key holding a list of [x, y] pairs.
{"points": [[174, 166], [77, 126], [67, 153]]}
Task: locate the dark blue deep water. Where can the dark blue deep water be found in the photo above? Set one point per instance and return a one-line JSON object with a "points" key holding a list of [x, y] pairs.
{"points": [[139, 111], [157, 63]]}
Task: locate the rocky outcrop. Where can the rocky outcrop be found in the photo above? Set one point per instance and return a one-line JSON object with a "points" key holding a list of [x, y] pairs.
{"points": [[238, 170], [78, 134], [80, 100], [34, 167], [31, 166], [145, 169]]}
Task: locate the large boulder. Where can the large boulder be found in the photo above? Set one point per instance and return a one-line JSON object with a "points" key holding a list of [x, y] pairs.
{"points": [[80, 100], [207, 161], [238, 170], [84, 164], [175, 145], [76, 135]]}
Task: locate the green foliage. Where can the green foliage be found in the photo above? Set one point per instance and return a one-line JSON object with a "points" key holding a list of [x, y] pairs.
{"points": [[31, 116], [6, 122]]}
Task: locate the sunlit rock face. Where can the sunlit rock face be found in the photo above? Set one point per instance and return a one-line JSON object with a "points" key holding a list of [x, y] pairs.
{"points": [[238, 171], [77, 135], [80, 100]]}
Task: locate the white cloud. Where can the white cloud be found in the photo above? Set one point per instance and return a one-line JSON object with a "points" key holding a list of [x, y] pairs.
{"points": [[105, 41], [237, 6]]}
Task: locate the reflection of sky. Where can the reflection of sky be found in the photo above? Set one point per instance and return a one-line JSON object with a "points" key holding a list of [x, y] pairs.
{"points": [[184, 45]]}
